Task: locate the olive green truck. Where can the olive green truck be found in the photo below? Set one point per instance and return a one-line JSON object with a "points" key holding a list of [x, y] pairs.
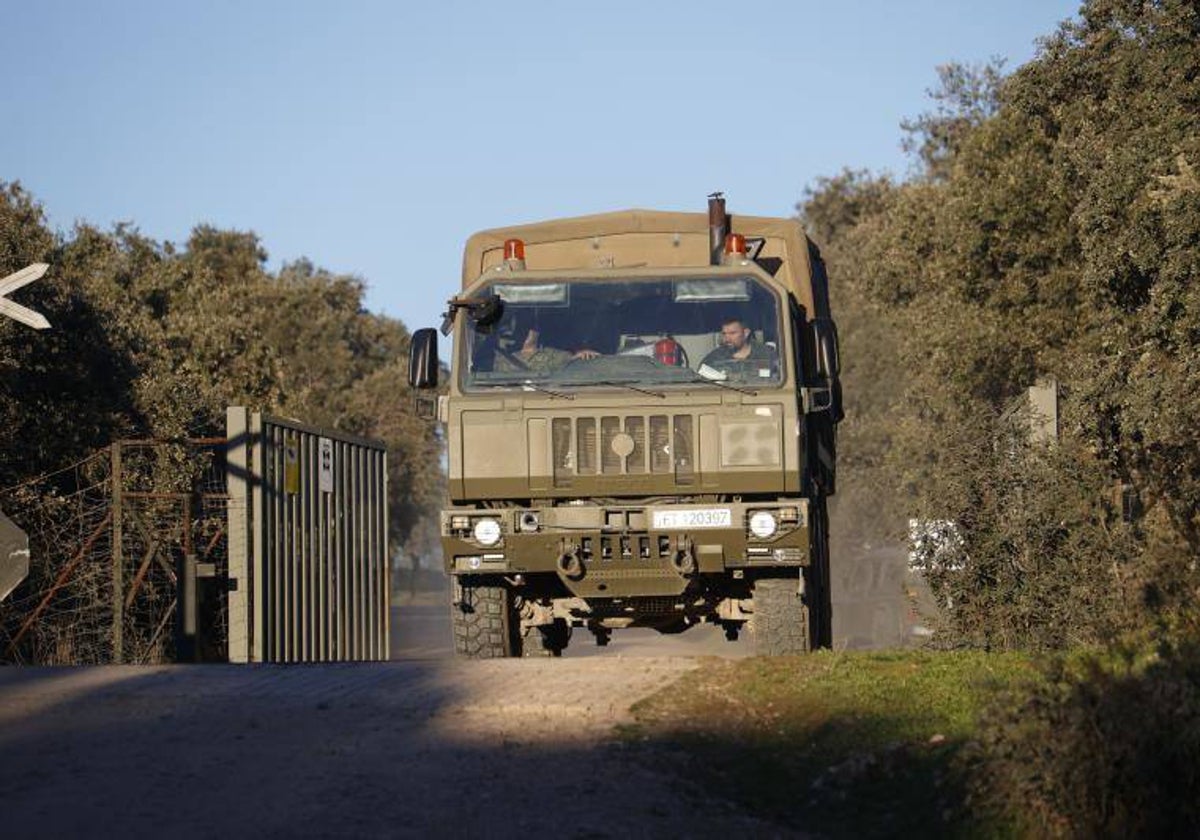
{"points": [[641, 424]]}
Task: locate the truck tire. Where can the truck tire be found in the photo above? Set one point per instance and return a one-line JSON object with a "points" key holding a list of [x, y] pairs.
{"points": [[485, 623], [780, 623]]}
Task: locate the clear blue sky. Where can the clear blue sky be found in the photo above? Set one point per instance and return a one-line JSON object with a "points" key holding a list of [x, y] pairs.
{"points": [[374, 137]]}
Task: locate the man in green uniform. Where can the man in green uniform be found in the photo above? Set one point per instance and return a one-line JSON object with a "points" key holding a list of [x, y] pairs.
{"points": [[532, 356], [740, 357]]}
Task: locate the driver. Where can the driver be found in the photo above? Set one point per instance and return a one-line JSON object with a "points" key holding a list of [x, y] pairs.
{"points": [[740, 356]]}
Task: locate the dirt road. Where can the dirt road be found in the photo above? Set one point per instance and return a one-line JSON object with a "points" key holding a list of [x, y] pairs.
{"points": [[423, 747]]}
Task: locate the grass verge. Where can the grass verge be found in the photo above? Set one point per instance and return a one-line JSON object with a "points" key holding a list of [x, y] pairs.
{"points": [[843, 744]]}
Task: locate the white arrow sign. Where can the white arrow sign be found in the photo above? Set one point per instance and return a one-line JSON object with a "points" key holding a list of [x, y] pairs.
{"points": [[14, 310]]}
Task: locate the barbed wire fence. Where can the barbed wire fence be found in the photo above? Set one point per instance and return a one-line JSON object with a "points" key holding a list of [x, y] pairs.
{"points": [[111, 539]]}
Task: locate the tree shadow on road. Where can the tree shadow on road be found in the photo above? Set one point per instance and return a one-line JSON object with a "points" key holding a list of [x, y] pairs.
{"points": [[379, 749]]}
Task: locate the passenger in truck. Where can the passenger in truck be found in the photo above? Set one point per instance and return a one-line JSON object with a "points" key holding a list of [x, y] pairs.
{"points": [[534, 356]]}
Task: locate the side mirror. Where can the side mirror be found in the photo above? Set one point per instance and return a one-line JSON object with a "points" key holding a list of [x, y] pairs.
{"points": [[825, 341], [423, 359]]}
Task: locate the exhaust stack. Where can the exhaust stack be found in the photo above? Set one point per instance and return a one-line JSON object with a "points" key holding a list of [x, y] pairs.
{"points": [[718, 228]]}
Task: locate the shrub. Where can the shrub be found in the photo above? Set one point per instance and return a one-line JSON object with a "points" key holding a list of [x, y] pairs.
{"points": [[1103, 746]]}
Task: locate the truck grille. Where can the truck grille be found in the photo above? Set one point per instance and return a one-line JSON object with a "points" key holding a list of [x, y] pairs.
{"points": [[632, 444]]}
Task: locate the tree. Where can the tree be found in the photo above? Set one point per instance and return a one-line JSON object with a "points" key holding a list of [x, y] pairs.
{"points": [[64, 391], [151, 341], [965, 97], [1053, 228]]}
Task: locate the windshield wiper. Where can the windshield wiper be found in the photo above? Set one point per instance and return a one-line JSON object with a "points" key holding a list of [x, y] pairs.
{"points": [[530, 385], [618, 383], [615, 383], [704, 380]]}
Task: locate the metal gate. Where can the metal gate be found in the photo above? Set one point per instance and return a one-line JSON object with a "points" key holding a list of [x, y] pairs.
{"points": [[308, 554]]}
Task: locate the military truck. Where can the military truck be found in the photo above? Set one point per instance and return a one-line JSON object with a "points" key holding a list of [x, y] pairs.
{"points": [[641, 424]]}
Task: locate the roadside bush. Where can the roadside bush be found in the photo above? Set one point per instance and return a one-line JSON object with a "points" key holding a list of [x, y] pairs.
{"points": [[1042, 560], [1103, 747]]}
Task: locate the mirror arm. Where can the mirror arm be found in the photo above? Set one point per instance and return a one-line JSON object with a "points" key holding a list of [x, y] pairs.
{"points": [[486, 311], [452, 307]]}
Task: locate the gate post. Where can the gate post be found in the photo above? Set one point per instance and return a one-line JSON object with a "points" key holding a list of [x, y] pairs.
{"points": [[237, 472]]}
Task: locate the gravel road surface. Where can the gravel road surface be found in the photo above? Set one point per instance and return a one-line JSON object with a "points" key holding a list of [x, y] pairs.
{"points": [[421, 747]]}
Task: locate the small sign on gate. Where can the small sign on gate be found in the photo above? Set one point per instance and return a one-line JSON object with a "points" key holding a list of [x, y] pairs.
{"points": [[291, 463], [325, 475]]}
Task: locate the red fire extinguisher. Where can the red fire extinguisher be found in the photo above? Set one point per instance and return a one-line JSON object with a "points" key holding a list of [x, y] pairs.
{"points": [[668, 352]]}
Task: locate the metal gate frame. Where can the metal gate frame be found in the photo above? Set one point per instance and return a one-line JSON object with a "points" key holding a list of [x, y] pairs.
{"points": [[308, 548]]}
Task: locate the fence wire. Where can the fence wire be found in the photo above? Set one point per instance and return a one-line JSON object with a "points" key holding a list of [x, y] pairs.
{"points": [[109, 537]]}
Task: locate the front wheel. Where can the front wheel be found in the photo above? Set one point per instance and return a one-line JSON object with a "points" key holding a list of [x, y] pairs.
{"points": [[484, 620], [780, 622]]}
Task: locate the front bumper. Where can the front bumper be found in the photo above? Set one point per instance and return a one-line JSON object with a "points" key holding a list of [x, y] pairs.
{"points": [[652, 549]]}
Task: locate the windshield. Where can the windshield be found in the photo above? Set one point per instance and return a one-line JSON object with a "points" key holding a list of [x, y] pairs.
{"points": [[649, 332]]}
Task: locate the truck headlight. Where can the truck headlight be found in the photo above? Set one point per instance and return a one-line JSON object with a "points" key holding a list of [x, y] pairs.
{"points": [[487, 531], [763, 524]]}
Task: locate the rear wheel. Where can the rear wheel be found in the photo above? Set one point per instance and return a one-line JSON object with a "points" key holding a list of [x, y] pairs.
{"points": [[484, 620], [780, 623]]}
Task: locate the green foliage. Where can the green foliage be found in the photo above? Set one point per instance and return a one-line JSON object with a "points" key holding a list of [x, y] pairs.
{"points": [[1041, 561], [842, 744], [149, 341], [840, 212], [1053, 230], [1100, 747], [64, 391]]}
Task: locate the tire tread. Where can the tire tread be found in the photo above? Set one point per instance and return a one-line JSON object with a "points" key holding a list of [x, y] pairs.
{"points": [[483, 622], [780, 624]]}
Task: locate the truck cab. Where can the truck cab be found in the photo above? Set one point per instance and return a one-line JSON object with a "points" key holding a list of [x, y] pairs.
{"points": [[641, 428]]}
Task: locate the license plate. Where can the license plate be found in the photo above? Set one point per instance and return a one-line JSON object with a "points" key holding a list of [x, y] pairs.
{"points": [[672, 520]]}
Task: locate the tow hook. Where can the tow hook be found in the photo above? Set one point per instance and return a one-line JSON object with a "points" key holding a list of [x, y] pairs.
{"points": [[571, 565], [684, 559]]}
